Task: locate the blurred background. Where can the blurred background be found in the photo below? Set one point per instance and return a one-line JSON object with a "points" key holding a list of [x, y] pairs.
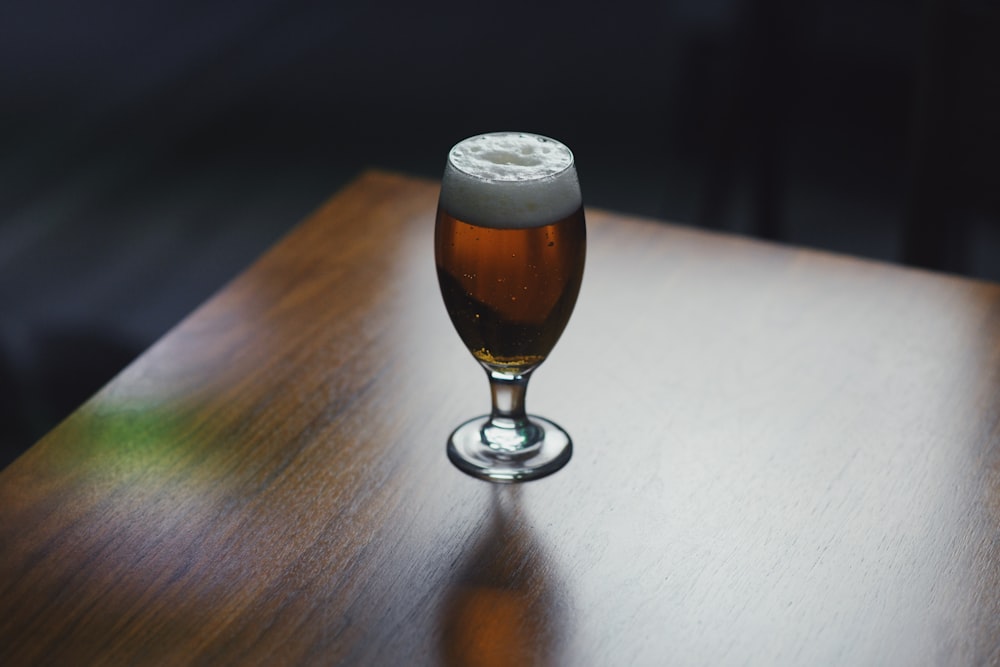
{"points": [[150, 151]]}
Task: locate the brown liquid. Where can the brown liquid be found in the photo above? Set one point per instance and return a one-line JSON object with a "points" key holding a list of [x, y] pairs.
{"points": [[510, 292]]}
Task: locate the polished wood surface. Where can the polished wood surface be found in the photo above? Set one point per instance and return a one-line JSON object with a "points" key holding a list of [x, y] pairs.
{"points": [[781, 457]]}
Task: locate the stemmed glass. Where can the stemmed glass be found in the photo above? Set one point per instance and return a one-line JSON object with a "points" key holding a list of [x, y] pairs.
{"points": [[510, 245]]}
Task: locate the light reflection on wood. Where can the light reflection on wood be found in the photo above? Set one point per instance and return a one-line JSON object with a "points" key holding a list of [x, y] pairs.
{"points": [[501, 610]]}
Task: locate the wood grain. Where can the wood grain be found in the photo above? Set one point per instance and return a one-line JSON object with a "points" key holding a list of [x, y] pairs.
{"points": [[781, 457]]}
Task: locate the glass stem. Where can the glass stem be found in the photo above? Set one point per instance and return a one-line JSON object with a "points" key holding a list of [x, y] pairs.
{"points": [[509, 430]]}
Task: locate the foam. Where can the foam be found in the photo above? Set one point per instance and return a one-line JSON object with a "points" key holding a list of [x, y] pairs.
{"points": [[510, 179]]}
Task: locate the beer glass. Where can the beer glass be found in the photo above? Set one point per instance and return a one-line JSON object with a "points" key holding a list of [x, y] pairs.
{"points": [[510, 243]]}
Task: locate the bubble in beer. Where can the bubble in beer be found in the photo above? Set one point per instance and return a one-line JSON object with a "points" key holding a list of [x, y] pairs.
{"points": [[510, 179]]}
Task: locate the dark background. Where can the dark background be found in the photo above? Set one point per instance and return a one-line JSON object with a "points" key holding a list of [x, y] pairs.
{"points": [[149, 151]]}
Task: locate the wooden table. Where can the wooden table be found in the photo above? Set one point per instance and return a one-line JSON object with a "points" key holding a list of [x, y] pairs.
{"points": [[781, 457]]}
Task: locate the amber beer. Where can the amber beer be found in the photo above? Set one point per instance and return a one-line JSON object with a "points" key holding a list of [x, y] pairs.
{"points": [[510, 245]]}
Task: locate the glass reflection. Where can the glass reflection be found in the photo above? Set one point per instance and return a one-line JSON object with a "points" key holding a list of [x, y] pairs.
{"points": [[505, 606]]}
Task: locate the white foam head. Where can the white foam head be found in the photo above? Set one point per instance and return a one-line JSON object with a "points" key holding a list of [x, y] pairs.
{"points": [[510, 179]]}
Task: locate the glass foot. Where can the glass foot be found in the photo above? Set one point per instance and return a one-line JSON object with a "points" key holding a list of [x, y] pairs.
{"points": [[472, 454]]}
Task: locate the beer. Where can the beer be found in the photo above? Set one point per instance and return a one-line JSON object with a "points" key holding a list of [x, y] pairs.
{"points": [[510, 292], [510, 245]]}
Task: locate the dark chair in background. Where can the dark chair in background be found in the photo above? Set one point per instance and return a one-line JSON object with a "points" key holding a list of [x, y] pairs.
{"points": [[743, 117], [916, 111], [956, 142]]}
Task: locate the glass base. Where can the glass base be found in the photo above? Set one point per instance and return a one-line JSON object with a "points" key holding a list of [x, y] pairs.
{"points": [[469, 451]]}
